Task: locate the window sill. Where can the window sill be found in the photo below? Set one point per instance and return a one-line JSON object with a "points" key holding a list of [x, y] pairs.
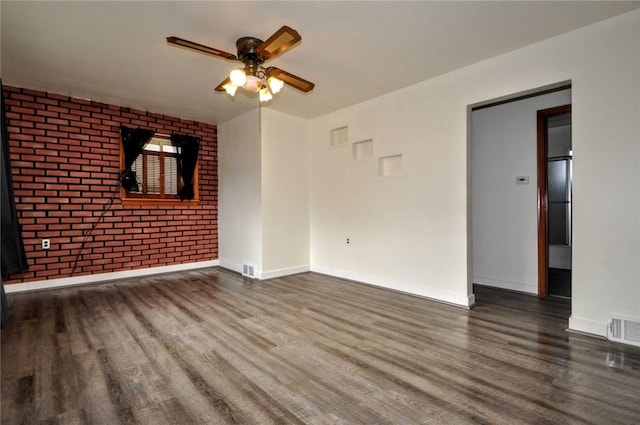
{"points": [[158, 202]]}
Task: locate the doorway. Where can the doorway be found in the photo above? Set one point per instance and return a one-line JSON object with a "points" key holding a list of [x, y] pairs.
{"points": [[503, 186], [555, 175]]}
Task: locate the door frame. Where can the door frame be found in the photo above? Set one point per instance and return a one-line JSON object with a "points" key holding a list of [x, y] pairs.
{"points": [[543, 194]]}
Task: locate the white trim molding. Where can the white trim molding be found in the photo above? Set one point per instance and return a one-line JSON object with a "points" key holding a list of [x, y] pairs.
{"points": [[587, 326], [103, 277], [272, 274], [230, 266], [269, 274], [458, 300], [505, 284]]}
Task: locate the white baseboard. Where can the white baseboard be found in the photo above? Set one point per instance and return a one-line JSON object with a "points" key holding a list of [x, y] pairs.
{"points": [[231, 266], [433, 294], [103, 277], [587, 326], [272, 274], [505, 284], [264, 275]]}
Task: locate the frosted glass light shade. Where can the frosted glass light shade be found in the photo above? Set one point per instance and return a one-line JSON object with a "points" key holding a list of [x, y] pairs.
{"points": [[230, 89], [253, 84], [275, 84], [238, 77], [265, 95]]}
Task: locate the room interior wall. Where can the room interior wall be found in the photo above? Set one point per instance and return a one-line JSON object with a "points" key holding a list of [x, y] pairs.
{"points": [[505, 214], [264, 194], [606, 172], [65, 156], [285, 194], [240, 190], [402, 203], [409, 232]]}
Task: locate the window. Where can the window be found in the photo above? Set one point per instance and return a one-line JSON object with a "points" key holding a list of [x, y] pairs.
{"points": [[157, 172], [158, 168]]}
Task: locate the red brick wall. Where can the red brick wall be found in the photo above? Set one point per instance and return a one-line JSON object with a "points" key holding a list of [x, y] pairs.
{"points": [[65, 158]]}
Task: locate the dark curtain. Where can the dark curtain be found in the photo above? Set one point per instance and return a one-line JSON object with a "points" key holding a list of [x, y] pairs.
{"points": [[188, 147], [133, 142], [14, 258], [4, 315]]}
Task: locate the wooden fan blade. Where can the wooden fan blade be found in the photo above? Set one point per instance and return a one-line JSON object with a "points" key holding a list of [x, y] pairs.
{"points": [[222, 84], [200, 48], [292, 80], [279, 42]]}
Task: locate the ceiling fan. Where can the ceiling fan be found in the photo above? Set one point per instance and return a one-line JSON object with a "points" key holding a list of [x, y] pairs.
{"points": [[253, 52]]}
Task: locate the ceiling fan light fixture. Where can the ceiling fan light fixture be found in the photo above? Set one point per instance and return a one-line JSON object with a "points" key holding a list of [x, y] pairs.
{"points": [[275, 84], [238, 77], [253, 52], [265, 95], [253, 84], [230, 88]]}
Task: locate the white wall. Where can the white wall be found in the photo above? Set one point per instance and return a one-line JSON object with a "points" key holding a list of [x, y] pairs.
{"points": [[285, 194], [264, 194], [239, 192], [606, 192], [410, 233], [505, 214]]}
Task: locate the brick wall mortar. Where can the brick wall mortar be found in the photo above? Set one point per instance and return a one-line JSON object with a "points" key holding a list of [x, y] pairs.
{"points": [[65, 158]]}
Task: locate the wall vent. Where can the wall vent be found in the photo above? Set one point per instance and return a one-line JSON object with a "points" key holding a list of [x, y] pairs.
{"points": [[248, 271], [624, 329]]}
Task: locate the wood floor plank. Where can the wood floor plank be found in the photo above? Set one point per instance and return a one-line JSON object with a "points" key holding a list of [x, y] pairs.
{"points": [[211, 347]]}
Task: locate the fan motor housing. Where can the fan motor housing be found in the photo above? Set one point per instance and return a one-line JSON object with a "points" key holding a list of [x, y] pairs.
{"points": [[248, 49]]}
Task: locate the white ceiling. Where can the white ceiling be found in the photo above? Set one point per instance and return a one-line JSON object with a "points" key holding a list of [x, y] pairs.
{"points": [[116, 52]]}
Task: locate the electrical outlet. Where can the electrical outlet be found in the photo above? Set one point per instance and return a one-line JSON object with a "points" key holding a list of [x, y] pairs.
{"points": [[348, 240], [46, 244]]}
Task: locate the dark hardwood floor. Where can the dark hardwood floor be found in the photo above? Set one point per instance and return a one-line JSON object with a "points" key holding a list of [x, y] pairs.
{"points": [[208, 347]]}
